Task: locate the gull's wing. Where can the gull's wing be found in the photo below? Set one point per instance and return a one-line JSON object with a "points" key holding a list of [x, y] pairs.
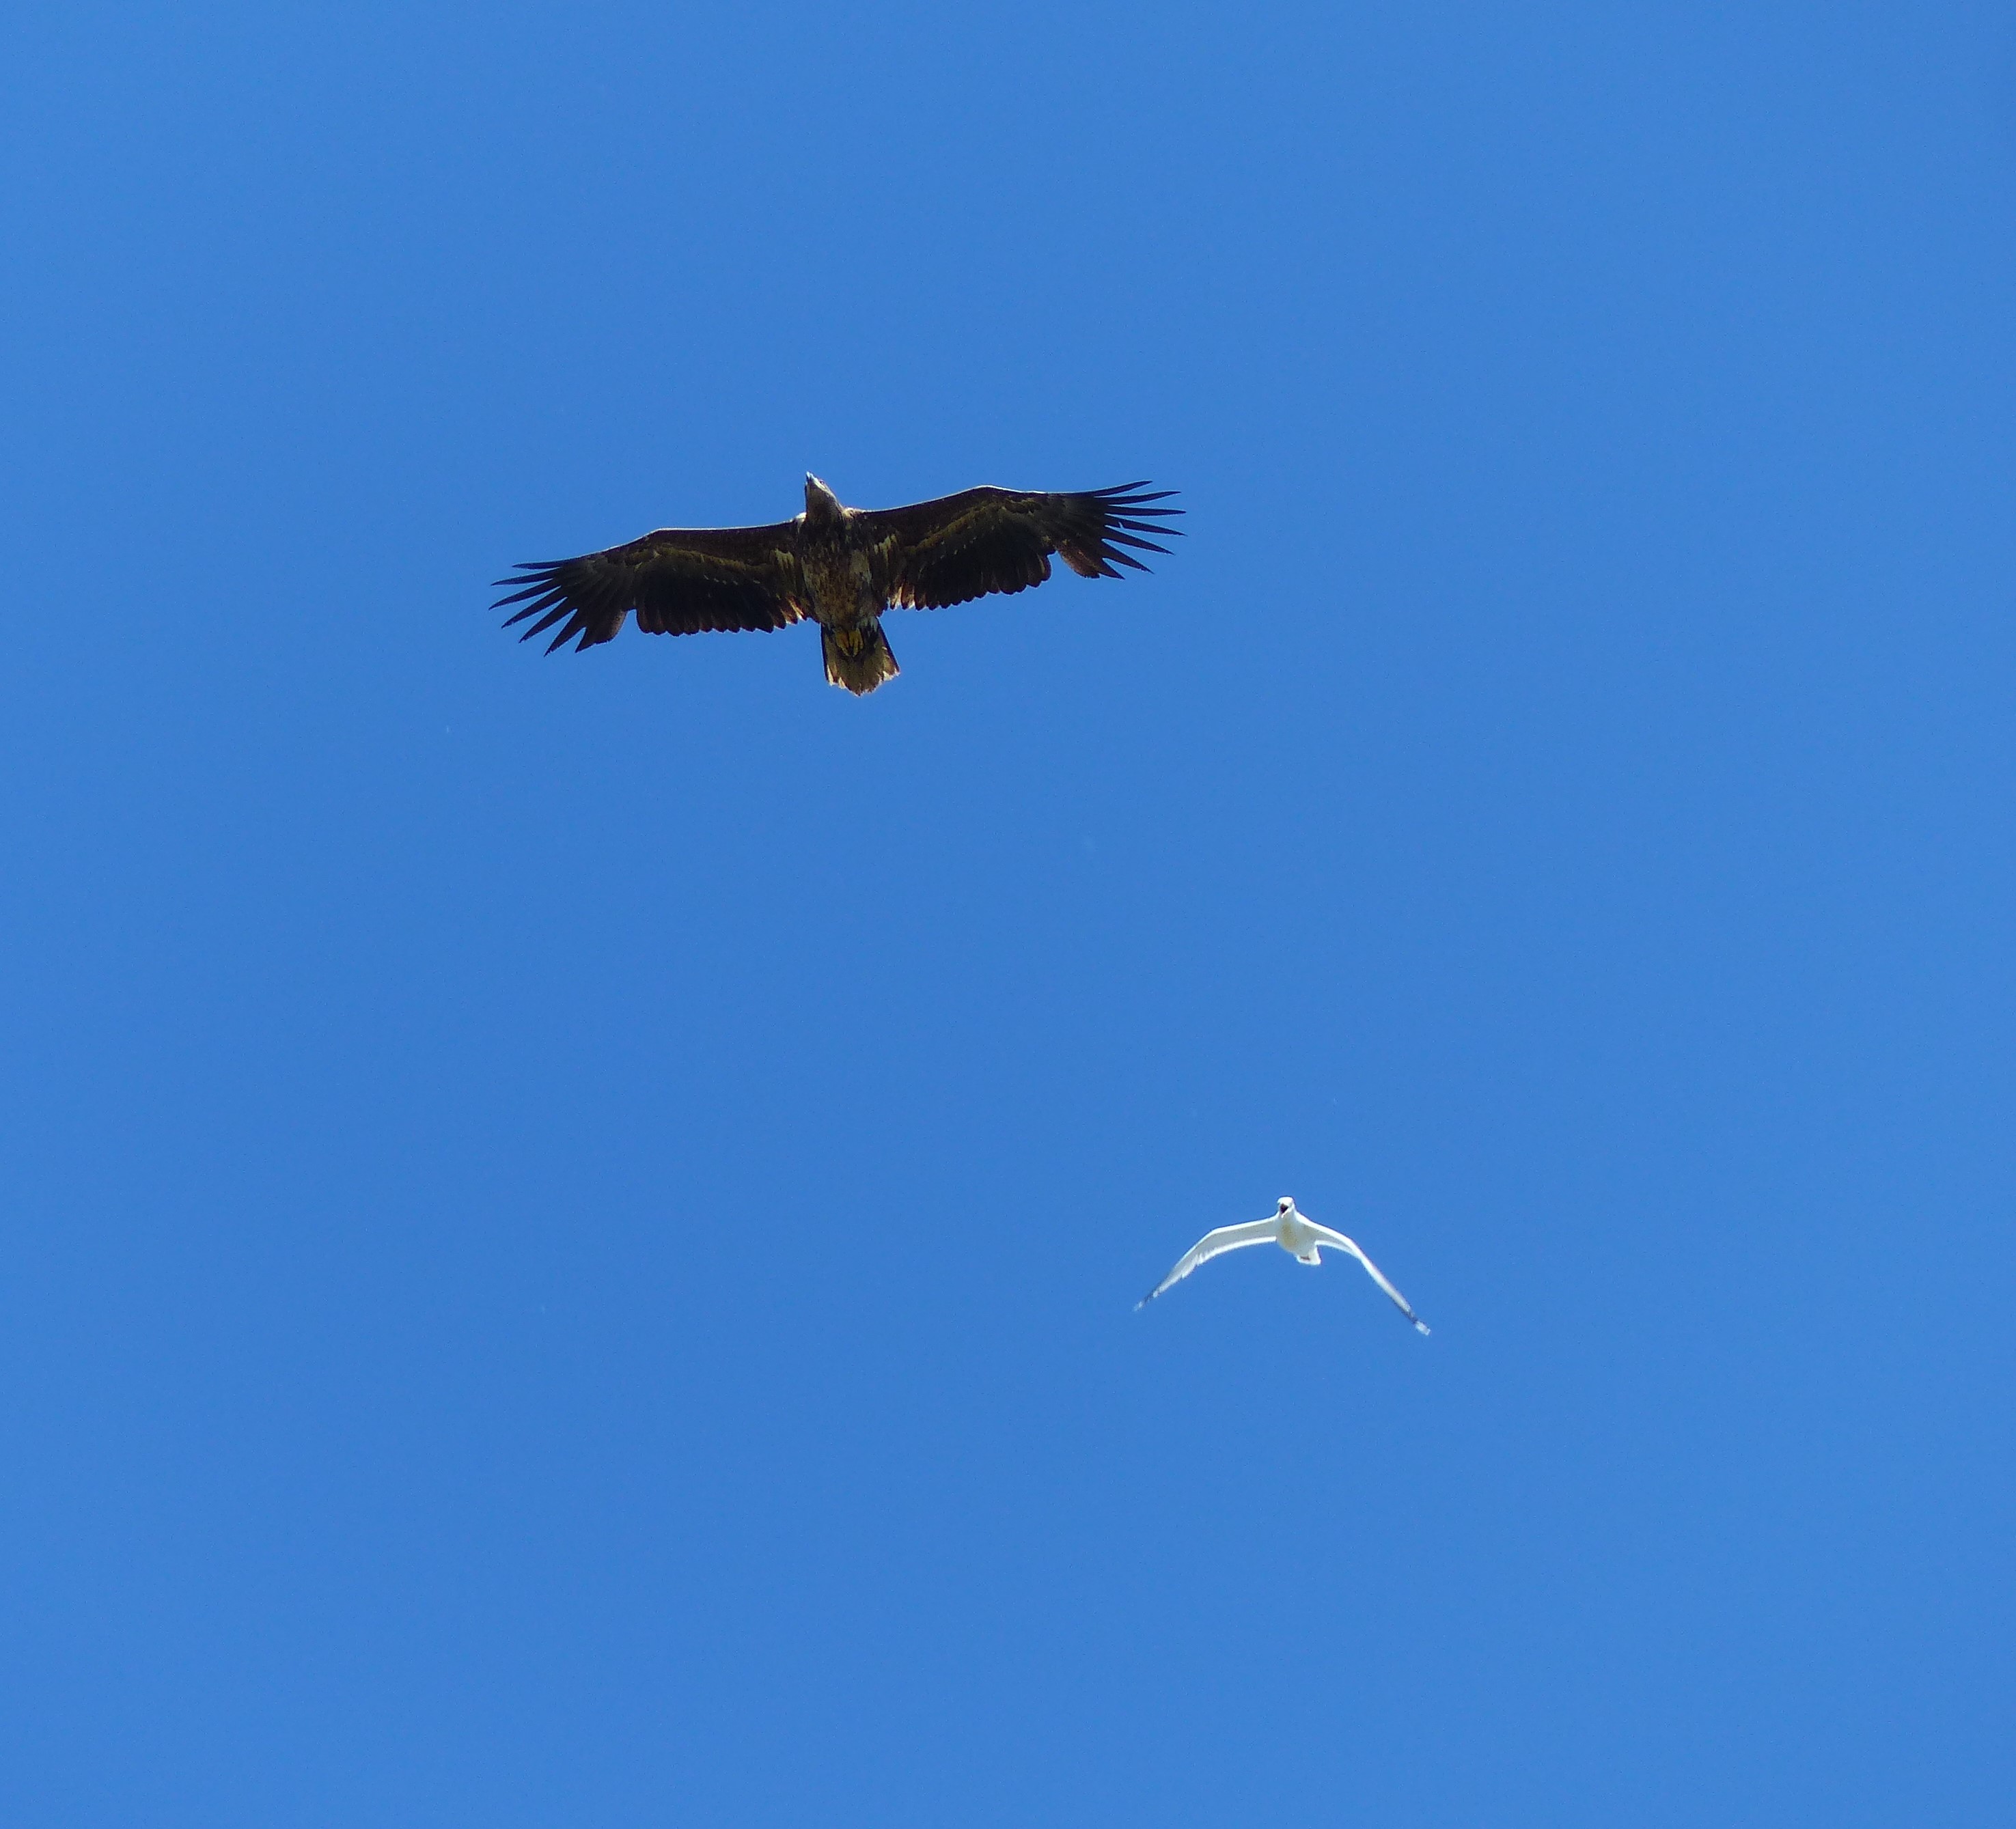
{"points": [[1326, 1236], [1226, 1238], [679, 580]]}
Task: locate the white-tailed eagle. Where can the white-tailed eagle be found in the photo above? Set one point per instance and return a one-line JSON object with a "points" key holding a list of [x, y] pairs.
{"points": [[842, 567]]}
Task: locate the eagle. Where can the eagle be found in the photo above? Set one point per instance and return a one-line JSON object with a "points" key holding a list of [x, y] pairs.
{"points": [[840, 567]]}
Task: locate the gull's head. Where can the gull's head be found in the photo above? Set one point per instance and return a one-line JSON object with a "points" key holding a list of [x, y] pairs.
{"points": [[1287, 1206]]}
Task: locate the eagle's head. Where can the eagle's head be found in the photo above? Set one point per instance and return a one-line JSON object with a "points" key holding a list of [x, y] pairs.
{"points": [[821, 503]]}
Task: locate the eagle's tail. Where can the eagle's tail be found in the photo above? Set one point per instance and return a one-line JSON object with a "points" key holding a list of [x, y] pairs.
{"points": [[857, 659]]}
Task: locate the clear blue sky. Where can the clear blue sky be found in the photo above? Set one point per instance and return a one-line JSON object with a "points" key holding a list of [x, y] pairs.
{"points": [[570, 1225]]}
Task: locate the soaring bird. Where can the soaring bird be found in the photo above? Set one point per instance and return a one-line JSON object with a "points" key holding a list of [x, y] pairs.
{"points": [[840, 567], [1296, 1233]]}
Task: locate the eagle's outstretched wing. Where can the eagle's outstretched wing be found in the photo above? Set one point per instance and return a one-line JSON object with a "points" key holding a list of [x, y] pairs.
{"points": [[679, 581], [963, 546]]}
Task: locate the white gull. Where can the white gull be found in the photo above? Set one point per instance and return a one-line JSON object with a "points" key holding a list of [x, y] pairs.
{"points": [[1296, 1233]]}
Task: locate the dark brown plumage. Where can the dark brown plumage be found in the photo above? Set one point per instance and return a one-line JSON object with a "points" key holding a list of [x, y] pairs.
{"points": [[839, 566]]}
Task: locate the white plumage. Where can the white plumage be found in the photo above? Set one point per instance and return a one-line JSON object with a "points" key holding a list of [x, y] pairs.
{"points": [[1296, 1233]]}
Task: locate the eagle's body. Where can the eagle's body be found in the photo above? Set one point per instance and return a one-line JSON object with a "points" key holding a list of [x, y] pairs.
{"points": [[841, 567]]}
